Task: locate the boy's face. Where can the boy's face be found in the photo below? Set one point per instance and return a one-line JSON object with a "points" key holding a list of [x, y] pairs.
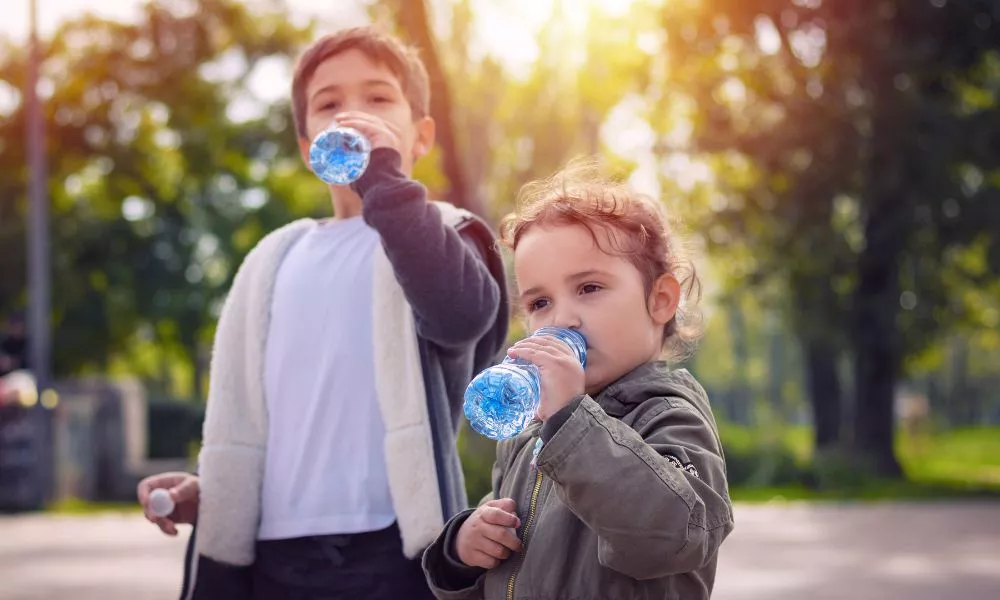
{"points": [[566, 280], [351, 81]]}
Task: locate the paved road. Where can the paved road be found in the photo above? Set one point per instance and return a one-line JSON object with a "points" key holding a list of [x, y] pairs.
{"points": [[780, 552], [866, 552]]}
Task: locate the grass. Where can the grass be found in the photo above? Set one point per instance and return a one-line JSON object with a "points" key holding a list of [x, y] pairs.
{"points": [[876, 491], [960, 456], [76, 506], [955, 464]]}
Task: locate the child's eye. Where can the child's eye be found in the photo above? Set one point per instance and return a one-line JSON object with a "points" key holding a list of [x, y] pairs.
{"points": [[590, 288], [330, 105], [537, 305], [381, 100]]}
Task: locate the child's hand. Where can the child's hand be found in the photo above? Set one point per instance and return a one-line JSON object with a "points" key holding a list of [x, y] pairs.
{"points": [[487, 536], [382, 134], [559, 368]]}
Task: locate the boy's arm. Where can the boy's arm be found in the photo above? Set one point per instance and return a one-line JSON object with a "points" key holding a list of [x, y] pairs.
{"points": [[672, 470], [444, 277]]}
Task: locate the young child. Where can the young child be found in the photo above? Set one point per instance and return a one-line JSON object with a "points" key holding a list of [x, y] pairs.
{"points": [[340, 361], [618, 490]]}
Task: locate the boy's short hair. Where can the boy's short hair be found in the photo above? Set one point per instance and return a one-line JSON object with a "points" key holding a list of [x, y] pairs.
{"points": [[638, 229], [382, 48]]}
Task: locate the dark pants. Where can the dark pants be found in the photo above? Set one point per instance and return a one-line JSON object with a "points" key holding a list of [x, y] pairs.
{"points": [[364, 566]]}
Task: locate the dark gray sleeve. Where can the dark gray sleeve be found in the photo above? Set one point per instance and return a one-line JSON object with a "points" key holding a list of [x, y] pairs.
{"points": [[557, 420], [454, 297], [447, 576]]}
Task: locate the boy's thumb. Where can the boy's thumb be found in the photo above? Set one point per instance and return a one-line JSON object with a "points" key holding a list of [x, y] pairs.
{"points": [[186, 490]]}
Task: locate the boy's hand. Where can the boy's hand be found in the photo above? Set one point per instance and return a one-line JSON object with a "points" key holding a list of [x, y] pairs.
{"points": [[380, 133], [559, 369], [183, 488], [487, 536]]}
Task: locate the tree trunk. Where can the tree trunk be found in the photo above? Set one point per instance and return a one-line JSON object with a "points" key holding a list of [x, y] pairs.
{"points": [[200, 362], [877, 356], [960, 400], [823, 387], [775, 365], [816, 313], [742, 396], [414, 24]]}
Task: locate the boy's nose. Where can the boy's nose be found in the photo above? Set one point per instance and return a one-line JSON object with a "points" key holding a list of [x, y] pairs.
{"points": [[351, 105]]}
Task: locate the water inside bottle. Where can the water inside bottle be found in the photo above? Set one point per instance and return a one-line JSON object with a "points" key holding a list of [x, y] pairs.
{"points": [[502, 400]]}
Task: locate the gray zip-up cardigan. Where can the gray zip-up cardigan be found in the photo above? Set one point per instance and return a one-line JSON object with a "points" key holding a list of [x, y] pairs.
{"points": [[440, 316]]}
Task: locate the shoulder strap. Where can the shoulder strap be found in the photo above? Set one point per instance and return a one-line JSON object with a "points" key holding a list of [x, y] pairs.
{"points": [[452, 215]]}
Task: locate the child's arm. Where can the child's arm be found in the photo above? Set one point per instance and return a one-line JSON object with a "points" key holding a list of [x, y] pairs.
{"points": [[656, 495], [444, 277], [447, 576]]}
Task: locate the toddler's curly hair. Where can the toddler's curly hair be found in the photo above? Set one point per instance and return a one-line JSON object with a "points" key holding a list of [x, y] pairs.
{"points": [[637, 229]]}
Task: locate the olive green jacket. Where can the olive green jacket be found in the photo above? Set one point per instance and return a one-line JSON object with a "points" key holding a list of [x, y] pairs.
{"points": [[628, 500]]}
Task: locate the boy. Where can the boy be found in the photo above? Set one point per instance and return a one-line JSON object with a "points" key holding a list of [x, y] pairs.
{"points": [[340, 361]]}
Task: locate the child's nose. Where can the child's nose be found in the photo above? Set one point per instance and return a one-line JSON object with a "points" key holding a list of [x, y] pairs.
{"points": [[567, 320]]}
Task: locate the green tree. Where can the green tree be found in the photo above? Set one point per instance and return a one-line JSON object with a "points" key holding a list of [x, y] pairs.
{"points": [[849, 131], [158, 185]]}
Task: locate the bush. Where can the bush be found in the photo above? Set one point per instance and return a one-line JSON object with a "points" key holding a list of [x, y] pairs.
{"points": [[758, 458], [477, 454], [754, 458]]}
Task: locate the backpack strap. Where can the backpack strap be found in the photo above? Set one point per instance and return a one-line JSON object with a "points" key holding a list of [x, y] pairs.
{"points": [[452, 215]]}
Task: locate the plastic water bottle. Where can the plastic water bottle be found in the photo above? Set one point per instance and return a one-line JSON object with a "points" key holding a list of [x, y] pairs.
{"points": [[339, 155], [503, 399], [160, 503]]}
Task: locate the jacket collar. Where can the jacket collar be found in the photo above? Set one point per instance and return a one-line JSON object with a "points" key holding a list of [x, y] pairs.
{"points": [[650, 380]]}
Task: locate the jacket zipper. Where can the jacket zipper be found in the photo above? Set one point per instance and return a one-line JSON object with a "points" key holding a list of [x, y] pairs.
{"points": [[527, 528]]}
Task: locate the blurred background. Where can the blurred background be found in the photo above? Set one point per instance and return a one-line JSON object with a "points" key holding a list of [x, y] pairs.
{"points": [[835, 163]]}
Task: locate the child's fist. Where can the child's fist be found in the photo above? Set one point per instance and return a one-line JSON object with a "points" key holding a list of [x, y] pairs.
{"points": [[487, 536], [559, 370]]}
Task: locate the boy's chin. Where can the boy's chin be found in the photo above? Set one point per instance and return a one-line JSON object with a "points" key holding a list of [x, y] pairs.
{"points": [[406, 168]]}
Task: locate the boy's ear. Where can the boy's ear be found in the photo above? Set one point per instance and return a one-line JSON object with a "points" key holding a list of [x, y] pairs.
{"points": [[304, 151], [664, 297], [426, 131]]}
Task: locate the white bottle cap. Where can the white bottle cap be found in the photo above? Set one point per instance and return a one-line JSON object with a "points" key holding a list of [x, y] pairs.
{"points": [[160, 503]]}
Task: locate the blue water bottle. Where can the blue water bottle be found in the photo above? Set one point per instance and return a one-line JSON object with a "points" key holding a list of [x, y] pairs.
{"points": [[339, 155], [503, 399]]}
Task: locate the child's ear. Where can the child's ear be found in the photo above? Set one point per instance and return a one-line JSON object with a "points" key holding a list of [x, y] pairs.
{"points": [[426, 131], [664, 297]]}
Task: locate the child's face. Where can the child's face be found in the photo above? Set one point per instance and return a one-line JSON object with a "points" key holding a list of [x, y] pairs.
{"points": [[350, 81], [566, 280]]}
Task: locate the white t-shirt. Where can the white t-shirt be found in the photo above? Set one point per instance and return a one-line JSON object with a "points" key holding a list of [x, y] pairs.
{"points": [[325, 469]]}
